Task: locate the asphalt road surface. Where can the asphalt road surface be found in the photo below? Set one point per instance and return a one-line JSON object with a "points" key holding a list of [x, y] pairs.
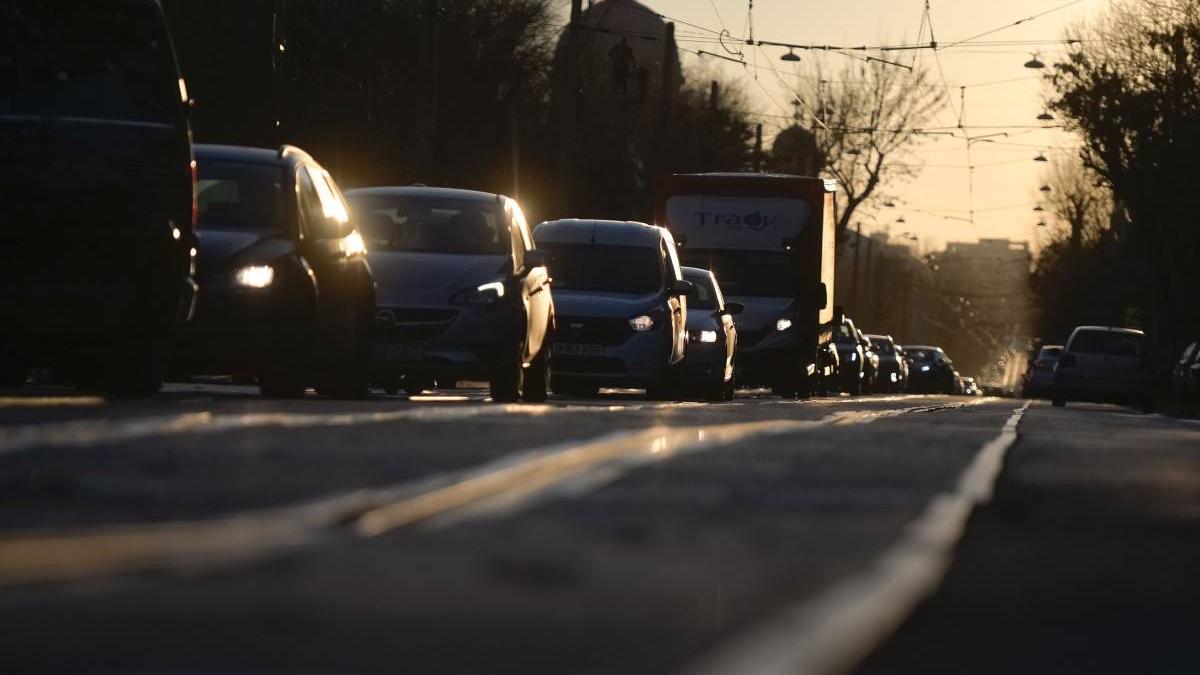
{"points": [[211, 531]]}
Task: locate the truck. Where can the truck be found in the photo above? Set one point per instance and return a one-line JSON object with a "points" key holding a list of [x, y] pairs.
{"points": [[770, 241]]}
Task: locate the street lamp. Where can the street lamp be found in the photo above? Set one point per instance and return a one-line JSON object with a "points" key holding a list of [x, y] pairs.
{"points": [[1041, 157], [1035, 63], [790, 56], [1045, 188], [1038, 208], [1045, 116]]}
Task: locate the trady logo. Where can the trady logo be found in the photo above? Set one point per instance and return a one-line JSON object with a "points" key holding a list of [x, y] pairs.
{"points": [[755, 221]]}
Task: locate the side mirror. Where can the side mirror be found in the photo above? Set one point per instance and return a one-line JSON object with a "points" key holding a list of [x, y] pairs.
{"points": [[822, 295], [732, 308], [681, 287]]}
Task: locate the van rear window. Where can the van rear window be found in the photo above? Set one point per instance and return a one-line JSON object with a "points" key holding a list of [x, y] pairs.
{"points": [[108, 59], [1106, 343]]}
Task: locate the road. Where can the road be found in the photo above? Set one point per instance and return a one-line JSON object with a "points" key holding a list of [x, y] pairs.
{"points": [[208, 530]]}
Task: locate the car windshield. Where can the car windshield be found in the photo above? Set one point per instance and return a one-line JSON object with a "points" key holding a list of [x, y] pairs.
{"points": [[431, 224], [765, 274], [614, 269], [1107, 343], [100, 59], [704, 297], [239, 196], [882, 346]]}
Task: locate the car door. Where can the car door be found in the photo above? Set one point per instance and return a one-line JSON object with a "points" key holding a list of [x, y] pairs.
{"points": [[534, 283]]}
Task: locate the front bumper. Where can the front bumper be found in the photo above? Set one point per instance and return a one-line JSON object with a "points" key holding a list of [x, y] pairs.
{"points": [[704, 363], [446, 340], [639, 361], [236, 331]]}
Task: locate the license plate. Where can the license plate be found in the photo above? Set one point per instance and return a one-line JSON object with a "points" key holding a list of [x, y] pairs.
{"points": [[569, 349], [397, 352]]}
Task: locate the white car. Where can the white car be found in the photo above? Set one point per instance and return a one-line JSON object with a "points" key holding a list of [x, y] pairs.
{"points": [[1104, 364]]}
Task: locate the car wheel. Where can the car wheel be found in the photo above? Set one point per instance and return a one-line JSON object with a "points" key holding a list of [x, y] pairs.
{"points": [[564, 387], [537, 380], [138, 372], [281, 382], [13, 373], [1058, 402], [506, 383], [728, 390]]}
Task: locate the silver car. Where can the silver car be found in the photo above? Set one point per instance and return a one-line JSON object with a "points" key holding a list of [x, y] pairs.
{"points": [[712, 337], [1104, 364]]}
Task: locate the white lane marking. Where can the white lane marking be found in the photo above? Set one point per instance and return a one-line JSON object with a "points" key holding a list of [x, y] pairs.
{"points": [[50, 401], [834, 631], [35, 557]]}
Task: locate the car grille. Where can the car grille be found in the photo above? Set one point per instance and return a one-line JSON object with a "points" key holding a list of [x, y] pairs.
{"points": [[412, 324], [591, 330], [587, 364]]}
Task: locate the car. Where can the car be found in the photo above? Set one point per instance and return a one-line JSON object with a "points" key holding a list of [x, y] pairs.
{"points": [[286, 295], [893, 369], [1105, 364], [622, 304], [96, 182], [1185, 374], [970, 387], [852, 373], [930, 370], [1039, 376], [463, 292], [708, 364], [870, 363]]}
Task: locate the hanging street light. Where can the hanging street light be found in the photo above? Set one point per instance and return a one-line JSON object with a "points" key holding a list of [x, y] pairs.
{"points": [[790, 56], [1038, 208], [1035, 62], [889, 204], [1045, 116], [1041, 157], [1045, 188]]}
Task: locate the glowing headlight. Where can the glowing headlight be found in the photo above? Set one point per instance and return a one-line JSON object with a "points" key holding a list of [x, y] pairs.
{"points": [[641, 323], [853, 356], [352, 244], [783, 324], [895, 377], [256, 276], [924, 369], [704, 336]]}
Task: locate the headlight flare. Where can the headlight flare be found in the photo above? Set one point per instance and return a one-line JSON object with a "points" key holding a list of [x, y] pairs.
{"points": [[783, 324], [642, 323], [255, 276]]}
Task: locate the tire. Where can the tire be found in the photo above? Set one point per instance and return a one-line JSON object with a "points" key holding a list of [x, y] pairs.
{"points": [[13, 374], [537, 381], [1058, 402], [281, 381], [137, 373], [856, 387], [414, 385], [573, 389], [506, 383]]}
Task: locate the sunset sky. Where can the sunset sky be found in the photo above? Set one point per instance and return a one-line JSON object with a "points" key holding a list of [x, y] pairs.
{"points": [[1006, 177]]}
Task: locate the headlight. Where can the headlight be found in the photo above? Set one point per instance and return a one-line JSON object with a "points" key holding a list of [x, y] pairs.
{"points": [[924, 369], [255, 276], [642, 323], [352, 244], [853, 356], [702, 336], [484, 294], [783, 324]]}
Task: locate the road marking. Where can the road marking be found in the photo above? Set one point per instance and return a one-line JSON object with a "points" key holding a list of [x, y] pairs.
{"points": [[50, 401], [833, 632], [46, 556]]}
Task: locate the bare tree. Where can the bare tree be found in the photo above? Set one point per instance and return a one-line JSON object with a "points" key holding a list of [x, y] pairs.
{"points": [[865, 118], [1079, 200]]}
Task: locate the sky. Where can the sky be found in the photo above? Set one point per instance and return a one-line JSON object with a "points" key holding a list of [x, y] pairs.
{"points": [[1000, 92]]}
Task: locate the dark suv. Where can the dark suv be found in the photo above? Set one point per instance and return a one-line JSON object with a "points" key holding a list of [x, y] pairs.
{"points": [[286, 293], [96, 187]]}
